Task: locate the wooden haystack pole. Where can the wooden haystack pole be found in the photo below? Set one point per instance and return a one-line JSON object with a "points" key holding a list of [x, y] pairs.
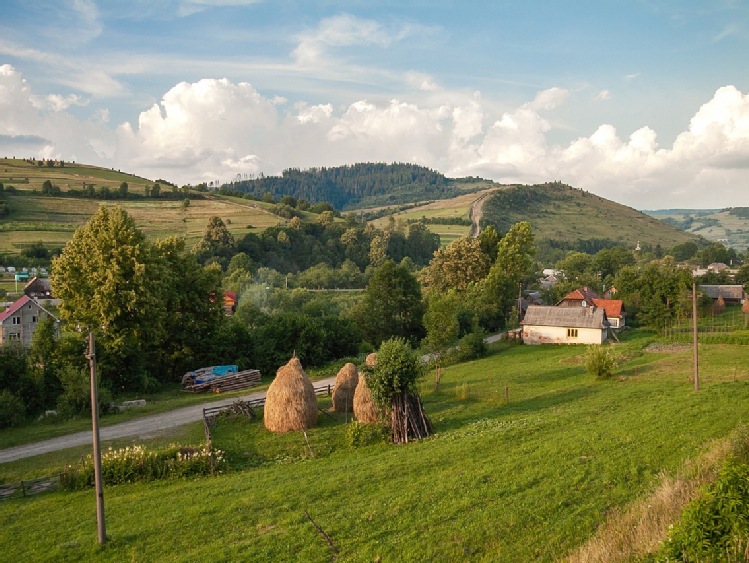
{"points": [[344, 388], [290, 403], [365, 409]]}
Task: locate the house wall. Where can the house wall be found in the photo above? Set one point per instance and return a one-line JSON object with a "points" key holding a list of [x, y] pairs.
{"points": [[21, 330], [558, 335]]}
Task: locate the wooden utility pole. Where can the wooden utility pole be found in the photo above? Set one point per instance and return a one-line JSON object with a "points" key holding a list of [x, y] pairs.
{"points": [[91, 356], [694, 337]]}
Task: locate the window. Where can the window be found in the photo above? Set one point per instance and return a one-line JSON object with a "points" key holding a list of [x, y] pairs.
{"points": [[16, 320], [571, 333], [14, 337], [33, 319]]}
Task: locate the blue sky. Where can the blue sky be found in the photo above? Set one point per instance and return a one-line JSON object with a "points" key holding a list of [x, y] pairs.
{"points": [[643, 102]]}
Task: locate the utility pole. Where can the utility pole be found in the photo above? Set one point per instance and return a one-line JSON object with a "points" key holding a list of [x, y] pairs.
{"points": [[91, 356], [694, 332]]}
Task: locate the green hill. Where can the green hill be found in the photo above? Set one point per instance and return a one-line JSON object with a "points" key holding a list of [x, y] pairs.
{"points": [[565, 218]]}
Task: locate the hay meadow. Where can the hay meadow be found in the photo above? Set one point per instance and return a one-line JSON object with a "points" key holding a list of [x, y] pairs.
{"points": [[530, 479]]}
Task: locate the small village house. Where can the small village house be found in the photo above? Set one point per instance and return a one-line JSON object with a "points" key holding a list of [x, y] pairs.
{"points": [[587, 297], [19, 321], [565, 325], [38, 288], [731, 294]]}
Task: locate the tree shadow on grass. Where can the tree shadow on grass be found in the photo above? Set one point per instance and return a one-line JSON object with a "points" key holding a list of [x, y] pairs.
{"points": [[449, 416]]}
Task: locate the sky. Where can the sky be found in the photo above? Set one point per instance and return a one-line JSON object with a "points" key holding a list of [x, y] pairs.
{"points": [[644, 102]]}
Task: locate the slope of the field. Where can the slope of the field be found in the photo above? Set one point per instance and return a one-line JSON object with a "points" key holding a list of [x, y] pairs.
{"points": [[566, 216], [28, 175], [51, 220]]}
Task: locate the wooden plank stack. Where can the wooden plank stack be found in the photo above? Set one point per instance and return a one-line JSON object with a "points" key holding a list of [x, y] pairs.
{"points": [[234, 382]]}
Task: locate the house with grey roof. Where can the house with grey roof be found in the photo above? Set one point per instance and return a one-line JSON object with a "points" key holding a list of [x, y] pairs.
{"points": [[565, 325], [729, 293]]}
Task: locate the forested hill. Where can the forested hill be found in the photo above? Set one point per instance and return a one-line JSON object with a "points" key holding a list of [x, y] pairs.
{"points": [[358, 185]]}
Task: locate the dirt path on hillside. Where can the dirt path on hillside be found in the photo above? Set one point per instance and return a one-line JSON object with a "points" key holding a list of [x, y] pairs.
{"points": [[145, 427], [476, 212]]}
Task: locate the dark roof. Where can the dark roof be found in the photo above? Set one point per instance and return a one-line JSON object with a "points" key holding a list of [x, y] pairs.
{"points": [[571, 317], [726, 291]]}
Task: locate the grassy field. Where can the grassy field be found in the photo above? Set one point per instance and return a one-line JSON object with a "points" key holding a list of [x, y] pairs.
{"points": [[520, 481], [29, 176], [457, 208], [52, 220]]}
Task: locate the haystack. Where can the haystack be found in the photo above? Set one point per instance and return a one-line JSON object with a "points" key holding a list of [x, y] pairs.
{"points": [[345, 386], [365, 409], [290, 403], [371, 359]]}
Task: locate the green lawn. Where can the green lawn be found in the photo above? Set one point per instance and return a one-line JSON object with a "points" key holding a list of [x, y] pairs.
{"points": [[523, 481]]}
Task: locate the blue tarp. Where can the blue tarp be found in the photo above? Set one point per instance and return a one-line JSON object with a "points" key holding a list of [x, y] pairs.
{"points": [[205, 375]]}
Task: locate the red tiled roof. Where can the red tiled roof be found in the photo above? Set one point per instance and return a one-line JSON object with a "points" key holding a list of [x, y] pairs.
{"points": [[582, 294], [15, 307], [613, 307]]}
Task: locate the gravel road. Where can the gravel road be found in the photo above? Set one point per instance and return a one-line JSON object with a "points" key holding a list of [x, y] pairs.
{"points": [[144, 427]]}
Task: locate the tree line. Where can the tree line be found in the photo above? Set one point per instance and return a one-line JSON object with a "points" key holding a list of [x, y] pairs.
{"points": [[353, 185]]}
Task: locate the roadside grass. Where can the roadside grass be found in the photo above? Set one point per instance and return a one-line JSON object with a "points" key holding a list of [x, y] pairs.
{"points": [[163, 401], [526, 480]]}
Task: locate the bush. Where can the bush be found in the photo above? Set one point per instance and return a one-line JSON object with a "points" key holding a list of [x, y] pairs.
{"points": [[471, 346], [715, 527], [360, 434], [601, 361], [12, 409]]}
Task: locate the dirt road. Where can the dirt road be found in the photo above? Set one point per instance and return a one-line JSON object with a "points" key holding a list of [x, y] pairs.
{"points": [[145, 427]]}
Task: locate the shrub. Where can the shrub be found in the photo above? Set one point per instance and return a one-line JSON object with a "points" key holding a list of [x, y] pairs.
{"points": [[138, 464], [360, 434], [471, 346], [715, 527], [12, 409], [601, 361]]}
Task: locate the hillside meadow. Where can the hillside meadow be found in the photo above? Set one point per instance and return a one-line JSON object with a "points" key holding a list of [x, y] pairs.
{"points": [[528, 479], [53, 220]]}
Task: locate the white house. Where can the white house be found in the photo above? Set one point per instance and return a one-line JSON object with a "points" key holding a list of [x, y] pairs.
{"points": [[564, 325]]}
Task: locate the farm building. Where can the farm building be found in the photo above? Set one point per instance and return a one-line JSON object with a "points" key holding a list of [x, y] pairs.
{"points": [[19, 321], [565, 325], [729, 293], [38, 288]]}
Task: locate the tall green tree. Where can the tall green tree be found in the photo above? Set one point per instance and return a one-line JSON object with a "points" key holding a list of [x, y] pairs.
{"points": [[216, 242], [455, 266], [193, 302], [108, 281], [391, 306], [656, 294]]}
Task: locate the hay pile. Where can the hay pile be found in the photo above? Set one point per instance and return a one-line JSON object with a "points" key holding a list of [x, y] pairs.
{"points": [[364, 408], [290, 403], [371, 359], [345, 386]]}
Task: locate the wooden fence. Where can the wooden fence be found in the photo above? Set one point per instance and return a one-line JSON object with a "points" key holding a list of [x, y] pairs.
{"points": [[30, 488]]}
